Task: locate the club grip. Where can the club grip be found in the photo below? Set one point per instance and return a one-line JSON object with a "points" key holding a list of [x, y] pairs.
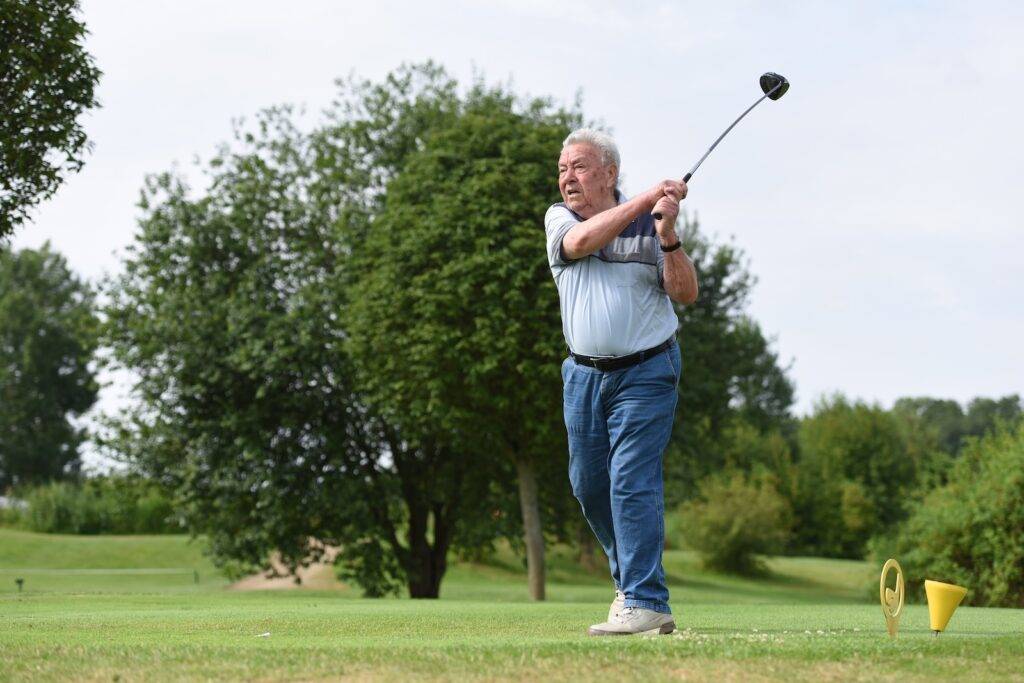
{"points": [[686, 179]]}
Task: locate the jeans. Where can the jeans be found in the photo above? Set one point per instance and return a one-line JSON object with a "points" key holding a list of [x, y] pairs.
{"points": [[619, 423]]}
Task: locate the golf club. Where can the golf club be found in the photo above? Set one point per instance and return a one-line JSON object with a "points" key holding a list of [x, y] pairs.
{"points": [[773, 86]]}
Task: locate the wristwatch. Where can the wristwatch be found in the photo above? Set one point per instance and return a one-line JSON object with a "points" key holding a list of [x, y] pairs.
{"points": [[675, 246]]}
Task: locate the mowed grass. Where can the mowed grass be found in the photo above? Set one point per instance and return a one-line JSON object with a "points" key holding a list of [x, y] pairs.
{"points": [[811, 620], [52, 562]]}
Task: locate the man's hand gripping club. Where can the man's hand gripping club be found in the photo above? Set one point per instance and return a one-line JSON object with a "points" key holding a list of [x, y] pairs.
{"points": [[597, 231]]}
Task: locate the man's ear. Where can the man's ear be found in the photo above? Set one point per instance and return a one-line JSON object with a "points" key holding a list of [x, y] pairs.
{"points": [[613, 174]]}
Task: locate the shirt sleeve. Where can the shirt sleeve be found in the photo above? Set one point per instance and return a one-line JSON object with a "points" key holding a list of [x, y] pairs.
{"points": [[557, 222]]}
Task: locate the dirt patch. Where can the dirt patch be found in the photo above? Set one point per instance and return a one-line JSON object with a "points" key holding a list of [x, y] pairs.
{"points": [[317, 576]]}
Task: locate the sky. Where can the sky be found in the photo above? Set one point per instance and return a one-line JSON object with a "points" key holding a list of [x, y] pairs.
{"points": [[878, 202]]}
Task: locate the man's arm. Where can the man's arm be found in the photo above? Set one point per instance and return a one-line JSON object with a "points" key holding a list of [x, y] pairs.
{"points": [[680, 280], [680, 277], [597, 231]]}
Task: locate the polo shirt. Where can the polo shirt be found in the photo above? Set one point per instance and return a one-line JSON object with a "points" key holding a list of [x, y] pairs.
{"points": [[613, 302]]}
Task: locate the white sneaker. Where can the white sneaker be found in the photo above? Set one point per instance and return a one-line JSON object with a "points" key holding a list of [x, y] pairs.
{"points": [[635, 620], [618, 604]]}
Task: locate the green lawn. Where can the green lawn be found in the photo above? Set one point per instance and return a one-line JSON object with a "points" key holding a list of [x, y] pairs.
{"points": [[812, 620], [51, 562]]}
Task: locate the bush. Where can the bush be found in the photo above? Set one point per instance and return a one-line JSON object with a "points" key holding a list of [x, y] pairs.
{"points": [[856, 473], [735, 517], [971, 530], [11, 512], [114, 504]]}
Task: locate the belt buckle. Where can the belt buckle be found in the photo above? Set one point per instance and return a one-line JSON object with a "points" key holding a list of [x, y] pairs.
{"points": [[599, 363]]}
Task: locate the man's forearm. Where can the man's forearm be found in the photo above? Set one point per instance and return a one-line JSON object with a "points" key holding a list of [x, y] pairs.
{"points": [[680, 277], [597, 231]]}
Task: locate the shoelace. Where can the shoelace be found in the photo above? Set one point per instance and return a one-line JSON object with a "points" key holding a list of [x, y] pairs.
{"points": [[628, 613]]}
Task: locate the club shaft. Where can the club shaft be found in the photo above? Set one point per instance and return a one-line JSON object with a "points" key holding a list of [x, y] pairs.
{"points": [[700, 161], [720, 137]]}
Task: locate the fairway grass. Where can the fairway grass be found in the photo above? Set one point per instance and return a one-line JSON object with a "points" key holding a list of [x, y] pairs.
{"points": [[308, 635], [812, 620]]}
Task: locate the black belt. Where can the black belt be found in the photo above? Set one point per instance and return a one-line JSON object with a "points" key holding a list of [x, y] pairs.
{"points": [[605, 364]]}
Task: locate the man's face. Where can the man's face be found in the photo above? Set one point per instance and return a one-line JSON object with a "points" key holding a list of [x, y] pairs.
{"points": [[586, 184]]}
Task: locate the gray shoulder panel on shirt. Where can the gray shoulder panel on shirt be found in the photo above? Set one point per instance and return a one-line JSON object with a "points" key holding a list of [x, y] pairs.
{"points": [[636, 249]]}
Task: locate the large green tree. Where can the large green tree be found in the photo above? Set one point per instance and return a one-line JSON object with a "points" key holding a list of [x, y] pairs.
{"points": [[230, 310], [454, 321], [48, 335], [47, 81]]}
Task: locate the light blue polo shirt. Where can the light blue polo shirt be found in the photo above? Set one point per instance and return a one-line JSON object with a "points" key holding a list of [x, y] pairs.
{"points": [[613, 301]]}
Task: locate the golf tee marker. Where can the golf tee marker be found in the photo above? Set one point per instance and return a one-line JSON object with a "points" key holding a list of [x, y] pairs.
{"points": [[943, 599], [892, 598]]}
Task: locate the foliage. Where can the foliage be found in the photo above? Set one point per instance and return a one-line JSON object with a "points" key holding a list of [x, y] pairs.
{"points": [[115, 504], [971, 530], [855, 477], [12, 514], [734, 518], [730, 371], [456, 326], [949, 424], [48, 334], [748, 448], [47, 81]]}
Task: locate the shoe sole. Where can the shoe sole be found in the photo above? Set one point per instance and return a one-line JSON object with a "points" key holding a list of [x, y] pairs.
{"points": [[662, 630]]}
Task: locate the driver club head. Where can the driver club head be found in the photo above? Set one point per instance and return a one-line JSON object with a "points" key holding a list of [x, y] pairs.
{"points": [[769, 81]]}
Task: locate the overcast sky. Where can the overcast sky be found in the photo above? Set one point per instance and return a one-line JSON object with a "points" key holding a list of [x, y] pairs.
{"points": [[879, 202]]}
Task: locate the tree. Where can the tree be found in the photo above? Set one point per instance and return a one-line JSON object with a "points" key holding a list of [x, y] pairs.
{"points": [[48, 335], [735, 517], [950, 424], [943, 418], [47, 81], [855, 475], [730, 371], [231, 309], [456, 328]]}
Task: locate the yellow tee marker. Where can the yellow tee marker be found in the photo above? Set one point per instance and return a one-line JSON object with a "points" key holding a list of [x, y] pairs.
{"points": [[943, 599], [892, 599]]}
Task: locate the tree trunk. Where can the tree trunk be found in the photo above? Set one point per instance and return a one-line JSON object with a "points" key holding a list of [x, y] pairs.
{"points": [[427, 562], [528, 501]]}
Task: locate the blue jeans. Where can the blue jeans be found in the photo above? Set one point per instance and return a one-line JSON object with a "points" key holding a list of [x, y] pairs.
{"points": [[619, 423]]}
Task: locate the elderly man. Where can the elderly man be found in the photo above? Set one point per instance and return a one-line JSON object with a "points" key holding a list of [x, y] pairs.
{"points": [[617, 270]]}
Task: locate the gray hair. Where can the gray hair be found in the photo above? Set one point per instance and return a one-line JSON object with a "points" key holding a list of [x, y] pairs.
{"points": [[601, 141]]}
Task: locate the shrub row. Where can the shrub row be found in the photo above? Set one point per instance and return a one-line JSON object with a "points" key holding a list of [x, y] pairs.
{"points": [[114, 504]]}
